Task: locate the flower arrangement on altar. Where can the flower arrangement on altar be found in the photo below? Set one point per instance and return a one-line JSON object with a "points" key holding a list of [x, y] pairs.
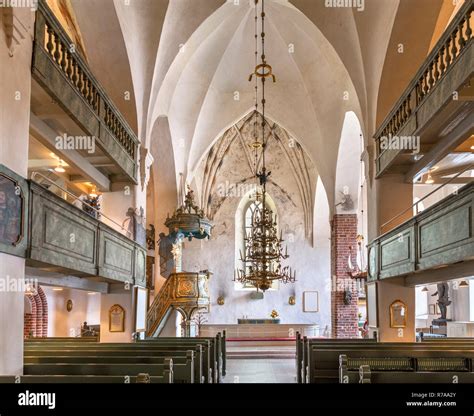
{"points": [[274, 314]]}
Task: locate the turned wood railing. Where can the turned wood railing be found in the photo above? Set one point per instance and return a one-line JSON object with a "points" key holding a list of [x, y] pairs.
{"points": [[454, 41], [53, 39]]}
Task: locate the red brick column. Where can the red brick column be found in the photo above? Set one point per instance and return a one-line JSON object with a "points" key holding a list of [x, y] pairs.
{"points": [[36, 322], [344, 317], [44, 315]]}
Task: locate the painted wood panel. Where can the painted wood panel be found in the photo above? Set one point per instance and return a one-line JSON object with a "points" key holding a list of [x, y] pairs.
{"points": [[441, 235]]}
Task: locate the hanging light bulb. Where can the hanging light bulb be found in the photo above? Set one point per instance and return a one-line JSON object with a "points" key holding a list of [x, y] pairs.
{"points": [[464, 284]]}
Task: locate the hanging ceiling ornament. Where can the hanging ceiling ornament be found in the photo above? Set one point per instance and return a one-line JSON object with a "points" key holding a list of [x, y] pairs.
{"points": [[189, 220], [358, 270], [263, 250]]}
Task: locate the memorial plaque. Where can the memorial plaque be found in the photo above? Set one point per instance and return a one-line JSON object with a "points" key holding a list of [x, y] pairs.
{"points": [[11, 211], [116, 319]]}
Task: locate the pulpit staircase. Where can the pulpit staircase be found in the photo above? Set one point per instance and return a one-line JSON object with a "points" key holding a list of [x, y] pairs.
{"points": [[184, 292]]}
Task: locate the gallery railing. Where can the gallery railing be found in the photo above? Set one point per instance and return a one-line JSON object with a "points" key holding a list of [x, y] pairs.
{"points": [[445, 54], [64, 237], [54, 47], [74, 199], [440, 235]]}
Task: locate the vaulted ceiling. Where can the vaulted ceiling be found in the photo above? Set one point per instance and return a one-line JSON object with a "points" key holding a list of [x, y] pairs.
{"points": [[186, 61]]}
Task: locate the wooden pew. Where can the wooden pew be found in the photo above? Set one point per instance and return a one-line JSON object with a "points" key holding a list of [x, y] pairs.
{"points": [[409, 369], [187, 363], [183, 367], [123, 370], [212, 364], [303, 346], [323, 364], [212, 350], [166, 378], [129, 349], [61, 339]]}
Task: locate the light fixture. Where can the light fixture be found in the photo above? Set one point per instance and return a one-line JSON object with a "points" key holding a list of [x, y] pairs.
{"points": [[472, 147], [92, 293], [60, 167], [57, 289], [93, 192], [425, 289], [464, 284], [429, 180], [263, 252]]}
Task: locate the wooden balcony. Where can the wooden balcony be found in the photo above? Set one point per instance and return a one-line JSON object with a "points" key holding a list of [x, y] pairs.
{"points": [[66, 94], [441, 235], [65, 239], [437, 105]]}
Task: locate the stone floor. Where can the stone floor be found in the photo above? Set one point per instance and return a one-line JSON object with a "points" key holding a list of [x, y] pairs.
{"points": [[260, 370]]}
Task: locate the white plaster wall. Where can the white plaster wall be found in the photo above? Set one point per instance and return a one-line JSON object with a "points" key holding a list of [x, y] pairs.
{"points": [[12, 269], [62, 323], [15, 87]]}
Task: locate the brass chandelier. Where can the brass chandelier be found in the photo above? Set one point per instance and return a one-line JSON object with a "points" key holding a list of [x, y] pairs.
{"points": [[263, 250]]}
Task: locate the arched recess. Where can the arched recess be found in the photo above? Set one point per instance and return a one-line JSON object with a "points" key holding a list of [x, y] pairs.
{"points": [[348, 168], [36, 314], [351, 181]]}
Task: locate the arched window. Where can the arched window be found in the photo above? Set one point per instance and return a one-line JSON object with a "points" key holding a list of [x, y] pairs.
{"points": [[248, 208]]}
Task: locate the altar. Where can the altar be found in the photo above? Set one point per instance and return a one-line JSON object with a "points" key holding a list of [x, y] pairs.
{"points": [[258, 321], [272, 330]]}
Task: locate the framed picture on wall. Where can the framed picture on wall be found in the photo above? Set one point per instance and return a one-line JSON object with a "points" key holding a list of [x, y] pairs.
{"points": [[116, 319], [398, 314], [311, 301]]}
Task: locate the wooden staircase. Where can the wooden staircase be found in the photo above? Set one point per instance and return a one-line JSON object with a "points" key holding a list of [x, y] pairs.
{"points": [[185, 292]]}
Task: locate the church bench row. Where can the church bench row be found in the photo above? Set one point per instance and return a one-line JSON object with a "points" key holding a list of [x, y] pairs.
{"points": [[202, 370], [123, 370], [323, 361], [61, 339], [217, 351], [166, 378], [202, 363], [183, 367], [206, 362], [302, 351], [304, 345], [364, 370], [217, 348]]}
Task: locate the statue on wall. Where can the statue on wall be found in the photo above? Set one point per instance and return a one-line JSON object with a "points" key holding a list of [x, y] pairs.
{"points": [[150, 237], [443, 298], [135, 225], [169, 249]]}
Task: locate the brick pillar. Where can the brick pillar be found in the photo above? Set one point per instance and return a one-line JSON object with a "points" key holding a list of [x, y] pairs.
{"points": [[344, 317], [44, 317]]}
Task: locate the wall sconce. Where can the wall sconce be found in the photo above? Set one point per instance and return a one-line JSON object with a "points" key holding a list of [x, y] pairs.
{"points": [[292, 300], [220, 300]]}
